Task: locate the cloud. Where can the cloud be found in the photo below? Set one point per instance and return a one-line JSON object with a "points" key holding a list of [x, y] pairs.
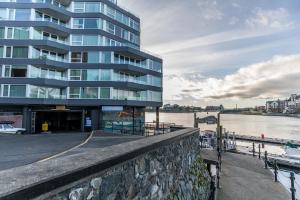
{"points": [[277, 77], [210, 10], [275, 19]]}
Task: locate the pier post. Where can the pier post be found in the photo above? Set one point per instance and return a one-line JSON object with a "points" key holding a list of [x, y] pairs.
{"points": [[253, 149], [196, 125], [266, 160], [259, 151], [293, 190], [276, 171], [220, 160], [218, 176]]}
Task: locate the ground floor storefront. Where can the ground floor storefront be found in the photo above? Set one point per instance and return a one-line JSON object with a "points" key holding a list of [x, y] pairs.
{"points": [[56, 119]]}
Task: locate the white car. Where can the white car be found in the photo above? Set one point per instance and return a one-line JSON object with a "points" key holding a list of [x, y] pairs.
{"points": [[9, 128]]}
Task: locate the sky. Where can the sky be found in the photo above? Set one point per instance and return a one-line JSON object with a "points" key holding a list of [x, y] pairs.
{"points": [[230, 52]]}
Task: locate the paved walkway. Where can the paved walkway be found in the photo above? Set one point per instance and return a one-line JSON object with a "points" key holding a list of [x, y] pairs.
{"points": [[244, 178]]}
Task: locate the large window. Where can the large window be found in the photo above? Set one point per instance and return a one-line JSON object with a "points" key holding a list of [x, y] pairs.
{"points": [[15, 71], [74, 93], [22, 15], [20, 52], [89, 93], [3, 14], [2, 30], [92, 7], [18, 33], [90, 75], [1, 52], [91, 23], [104, 93], [105, 75], [106, 57], [14, 90]]}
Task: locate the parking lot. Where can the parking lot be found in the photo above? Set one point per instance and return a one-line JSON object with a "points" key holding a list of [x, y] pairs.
{"points": [[18, 150]]}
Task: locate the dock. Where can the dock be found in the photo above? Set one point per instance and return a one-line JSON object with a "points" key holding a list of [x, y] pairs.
{"points": [[265, 140], [244, 178]]}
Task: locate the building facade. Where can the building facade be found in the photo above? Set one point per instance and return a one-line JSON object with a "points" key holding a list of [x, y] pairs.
{"points": [[75, 65]]}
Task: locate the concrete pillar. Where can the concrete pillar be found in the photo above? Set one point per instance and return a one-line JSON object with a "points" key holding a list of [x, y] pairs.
{"points": [[157, 117]]}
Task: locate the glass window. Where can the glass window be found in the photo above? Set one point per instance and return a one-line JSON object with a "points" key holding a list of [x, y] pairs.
{"points": [[90, 40], [93, 57], [1, 52], [76, 57], [78, 23], [74, 93], [77, 40], [75, 74], [78, 7], [53, 93], [5, 90], [47, 18], [8, 52], [92, 7], [18, 71], [20, 52], [2, 32], [21, 33], [89, 93], [17, 91], [106, 57], [38, 16], [90, 75], [22, 15], [9, 33], [3, 14], [105, 75], [104, 93], [44, 73], [91, 23]]}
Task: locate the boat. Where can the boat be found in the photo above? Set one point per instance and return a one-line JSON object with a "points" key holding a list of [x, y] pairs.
{"points": [[207, 120], [292, 151]]}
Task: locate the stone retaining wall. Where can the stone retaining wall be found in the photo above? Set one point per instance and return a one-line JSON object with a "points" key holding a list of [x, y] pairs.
{"points": [[171, 171]]}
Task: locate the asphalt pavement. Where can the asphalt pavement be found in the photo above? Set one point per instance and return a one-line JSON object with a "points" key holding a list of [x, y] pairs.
{"points": [[19, 150]]}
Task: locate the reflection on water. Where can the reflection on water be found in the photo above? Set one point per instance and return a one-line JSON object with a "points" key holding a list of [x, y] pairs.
{"points": [[255, 125]]}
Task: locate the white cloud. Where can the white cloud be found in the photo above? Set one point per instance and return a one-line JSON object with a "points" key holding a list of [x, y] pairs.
{"points": [[277, 77], [275, 19], [210, 10]]}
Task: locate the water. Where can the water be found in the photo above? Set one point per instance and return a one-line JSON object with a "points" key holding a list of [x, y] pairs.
{"points": [[254, 125]]}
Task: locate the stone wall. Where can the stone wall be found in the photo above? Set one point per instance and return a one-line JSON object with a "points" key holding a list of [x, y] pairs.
{"points": [[171, 171]]}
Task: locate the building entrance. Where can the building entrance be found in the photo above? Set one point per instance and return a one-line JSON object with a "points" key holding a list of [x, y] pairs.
{"points": [[58, 121]]}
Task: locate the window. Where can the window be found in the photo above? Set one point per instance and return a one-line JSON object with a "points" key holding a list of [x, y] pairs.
{"points": [[78, 23], [91, 23], [74, 93], [18, 33], [34, 72], [93, 57], [15, 71], [104, 93], [2, 32], [9, 33], [90, 40], [90, 75], [38, 16], [79, 7], [22, 15], [76, 57], [20, 52], [77, 40], [3, 14], [17, 91], [6, 90], [106, 57], [1, 52], [8, 52], [89, 93], [110, 28], [75, 74], [92, 7]]}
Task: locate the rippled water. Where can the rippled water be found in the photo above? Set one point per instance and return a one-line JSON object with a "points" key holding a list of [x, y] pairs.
{"points": [[255, 125]]}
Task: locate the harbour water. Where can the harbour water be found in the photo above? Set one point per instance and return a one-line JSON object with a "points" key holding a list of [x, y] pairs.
{"points": [[252, 125]]}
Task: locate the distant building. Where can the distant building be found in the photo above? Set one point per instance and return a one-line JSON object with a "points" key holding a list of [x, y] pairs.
{"points": [[214, 108], [276, 106], [292, 105]]}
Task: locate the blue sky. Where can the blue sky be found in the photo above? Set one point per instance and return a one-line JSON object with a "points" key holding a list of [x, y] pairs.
{"points": [[223, 51]]}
